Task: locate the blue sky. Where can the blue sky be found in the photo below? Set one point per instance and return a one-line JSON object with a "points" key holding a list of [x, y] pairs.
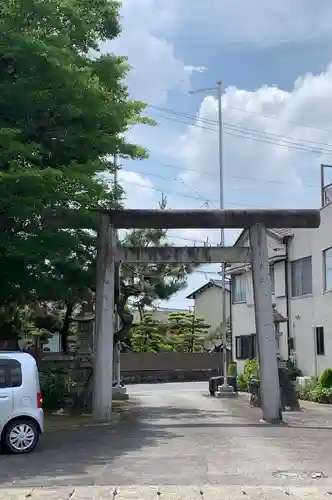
{"points": [[274, 60]]}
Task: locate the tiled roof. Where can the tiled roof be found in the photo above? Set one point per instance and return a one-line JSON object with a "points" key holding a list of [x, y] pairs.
{"points": [[282, 232], [207, 285], [279, 232]]}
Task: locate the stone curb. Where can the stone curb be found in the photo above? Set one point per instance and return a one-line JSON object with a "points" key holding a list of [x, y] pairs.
{"points": [[138, 492]]}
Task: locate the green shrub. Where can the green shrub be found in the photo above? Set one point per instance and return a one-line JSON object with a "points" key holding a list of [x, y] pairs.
{"points": [[251, 370], [56, 387], [242, 385], [313, 390], [232, 371], [304, 391], [321, 394], [325, 379]]}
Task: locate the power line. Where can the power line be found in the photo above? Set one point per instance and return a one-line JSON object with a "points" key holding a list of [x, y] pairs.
{"points": [[177, 167], [242, 177], [192, 240], [255, 137], [207, 201], [181, 195], [240, 128], [264, 115], [270, 117]]}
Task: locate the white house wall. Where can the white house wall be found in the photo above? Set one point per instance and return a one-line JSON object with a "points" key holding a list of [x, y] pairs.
{"points": [[243, 314], [54, 343], [315, 309]]}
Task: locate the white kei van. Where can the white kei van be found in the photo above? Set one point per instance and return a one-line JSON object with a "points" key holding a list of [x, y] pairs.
{"points": [[21, 404]]}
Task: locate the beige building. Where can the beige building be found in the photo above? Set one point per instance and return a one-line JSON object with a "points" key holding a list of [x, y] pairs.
{"points": [[208, 304], [301, 280]]}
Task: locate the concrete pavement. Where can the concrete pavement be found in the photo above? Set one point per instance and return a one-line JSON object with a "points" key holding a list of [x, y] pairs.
{"points": [[186, 443]]}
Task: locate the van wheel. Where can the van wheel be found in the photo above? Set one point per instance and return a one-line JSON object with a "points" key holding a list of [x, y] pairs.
{"points": [[21, 436]]}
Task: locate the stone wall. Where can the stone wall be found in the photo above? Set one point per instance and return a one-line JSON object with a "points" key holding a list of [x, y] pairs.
{"points": [[170, 361], [141, 377], [140, 368]]}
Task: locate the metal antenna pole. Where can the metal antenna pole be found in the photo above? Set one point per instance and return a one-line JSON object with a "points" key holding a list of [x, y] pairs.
{"points": [[224, 388], [223, 365]]}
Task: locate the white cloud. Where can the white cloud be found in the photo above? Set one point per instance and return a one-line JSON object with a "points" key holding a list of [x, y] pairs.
{"points": [[257, 22], [139, 191], [194, 69], [155, 67], [245, 137]]}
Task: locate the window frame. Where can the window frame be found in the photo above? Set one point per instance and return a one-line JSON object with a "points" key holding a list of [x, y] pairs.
{"points": [[252, 346], [293, 263], [3, 370], [242, 277], [320, 342], [14, 363], [6, 364], [329, 249]]}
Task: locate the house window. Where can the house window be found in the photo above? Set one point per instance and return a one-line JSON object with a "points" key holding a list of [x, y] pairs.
{"points": [[271, 271], [239, 288], [301, 274], [245, 346], [327, 256], [320, 345]]}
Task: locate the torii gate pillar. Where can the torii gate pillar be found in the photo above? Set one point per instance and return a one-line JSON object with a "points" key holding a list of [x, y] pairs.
{"points": [[266, 342]]}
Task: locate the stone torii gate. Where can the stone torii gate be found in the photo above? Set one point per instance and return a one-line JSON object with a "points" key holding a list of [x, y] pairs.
{"points": [[110, 254]]}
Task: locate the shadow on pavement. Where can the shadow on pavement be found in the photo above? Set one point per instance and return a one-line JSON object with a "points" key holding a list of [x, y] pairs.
{"points": [[79, 456], [234, 416], [141, 441]]}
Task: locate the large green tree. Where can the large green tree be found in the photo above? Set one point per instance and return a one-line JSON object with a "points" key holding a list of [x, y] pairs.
{"points": [[140, 286], [187, 331], [149, 335], [64, 111]]}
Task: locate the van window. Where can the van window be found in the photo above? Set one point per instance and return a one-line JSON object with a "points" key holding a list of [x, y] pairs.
{"points": [[2, 377], [10, 373], [15, 373]]}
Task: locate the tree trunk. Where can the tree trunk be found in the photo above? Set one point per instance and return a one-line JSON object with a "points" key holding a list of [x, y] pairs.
{"points": [[64, 332]]}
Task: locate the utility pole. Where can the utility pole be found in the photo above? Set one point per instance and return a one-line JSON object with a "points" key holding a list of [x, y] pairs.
{"points": [[224, 390]]}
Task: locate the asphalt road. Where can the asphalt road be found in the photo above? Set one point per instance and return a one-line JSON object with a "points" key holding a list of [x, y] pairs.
{"points": [[178, 435]]}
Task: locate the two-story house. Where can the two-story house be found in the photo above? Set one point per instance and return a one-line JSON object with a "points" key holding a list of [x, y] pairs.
{"points": [[301, 281], [208, 305]]}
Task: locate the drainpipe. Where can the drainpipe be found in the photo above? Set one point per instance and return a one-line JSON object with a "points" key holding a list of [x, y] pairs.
{"points": [[286, 240]]}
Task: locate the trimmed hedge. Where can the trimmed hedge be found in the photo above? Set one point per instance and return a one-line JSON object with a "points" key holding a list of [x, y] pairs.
{"points": [[318, 390]]}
